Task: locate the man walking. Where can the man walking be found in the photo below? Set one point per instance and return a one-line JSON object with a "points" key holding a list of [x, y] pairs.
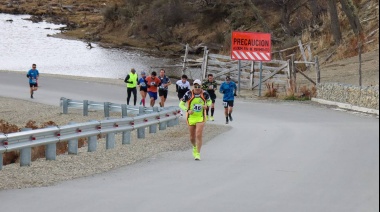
{"points": [[131, 79], [228, 89], [33, 75], [164, 87], [210, 86]]}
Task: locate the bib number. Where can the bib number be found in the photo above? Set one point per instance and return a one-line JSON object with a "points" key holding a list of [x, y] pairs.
{"points": [[34, 80], [197, 108], [225, 104], [143, 84]]}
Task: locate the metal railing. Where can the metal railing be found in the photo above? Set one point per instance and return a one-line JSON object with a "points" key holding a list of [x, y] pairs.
{"points": [[107, 107], [25, 140]]}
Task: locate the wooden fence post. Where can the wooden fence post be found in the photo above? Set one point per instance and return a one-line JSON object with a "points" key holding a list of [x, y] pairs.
{"points": [[318, 71]]}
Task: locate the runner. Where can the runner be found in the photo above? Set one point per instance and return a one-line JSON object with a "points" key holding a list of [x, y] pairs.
{"points": [[152, 82], [210, 86], [228, 89], [143, 88], [131, 79], [163, 89], [182, 86], [197, 100], [33, 75]]}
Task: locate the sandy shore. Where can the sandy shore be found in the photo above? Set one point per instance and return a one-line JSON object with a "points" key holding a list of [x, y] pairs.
{"points": [[66, 167]]}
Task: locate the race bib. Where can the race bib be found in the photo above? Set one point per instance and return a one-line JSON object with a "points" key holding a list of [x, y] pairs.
{"points": [[152, 83], [143, 84], [225, 104], [211, 87], [34, 80], [197, 108]]}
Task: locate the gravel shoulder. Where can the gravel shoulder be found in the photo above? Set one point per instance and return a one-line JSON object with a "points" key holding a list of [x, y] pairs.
{"points": [[67, 167]]}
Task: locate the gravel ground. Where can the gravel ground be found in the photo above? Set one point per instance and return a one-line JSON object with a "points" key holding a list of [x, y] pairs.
{"points": [[67, 167]]}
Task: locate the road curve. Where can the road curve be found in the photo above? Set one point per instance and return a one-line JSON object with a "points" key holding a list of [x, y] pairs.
{"points": [[278, 157]]}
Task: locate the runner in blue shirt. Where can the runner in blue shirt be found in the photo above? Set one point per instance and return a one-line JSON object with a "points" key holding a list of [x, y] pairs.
{"points": [[228, 89], [33, 75], [164, 87]]}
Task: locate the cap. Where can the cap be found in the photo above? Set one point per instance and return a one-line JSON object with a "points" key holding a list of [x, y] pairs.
{"points": [[197, 81], [228, 77], [143, 72]]}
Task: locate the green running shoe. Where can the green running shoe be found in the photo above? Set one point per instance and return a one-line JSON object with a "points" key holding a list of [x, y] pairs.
{"points": [[212, 118], [197, 156], [195, 151]]}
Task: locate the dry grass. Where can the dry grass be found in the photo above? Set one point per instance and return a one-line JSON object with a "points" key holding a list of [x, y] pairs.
{"points": [[271, 90]]}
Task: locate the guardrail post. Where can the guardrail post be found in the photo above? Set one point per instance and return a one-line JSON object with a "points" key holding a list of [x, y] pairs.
{"points": [[141, 130], [92, 143], [106, 109], [126, 137], [73, 144], [51, 150], [153, 127], [85, 107], [65, 105], [124, 112], [26, 153], [110, 140], [162, 125], [1, 157], [1, 161]]}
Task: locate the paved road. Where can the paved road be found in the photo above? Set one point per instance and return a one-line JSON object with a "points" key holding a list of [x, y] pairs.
{"points": [[286, 157]]}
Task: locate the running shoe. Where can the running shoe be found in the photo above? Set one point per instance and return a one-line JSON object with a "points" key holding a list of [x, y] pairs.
{"points": [[197, 156], [207, 118], [231, 119], [227, 121], [212, 118], [195, 151]]}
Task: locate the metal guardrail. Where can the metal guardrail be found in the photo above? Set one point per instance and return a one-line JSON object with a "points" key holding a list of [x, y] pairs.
{"points": [[49, 136], [107, 107]]}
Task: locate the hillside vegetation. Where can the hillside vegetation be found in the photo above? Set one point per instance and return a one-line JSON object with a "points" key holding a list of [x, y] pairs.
{"points": [[167, 25]]}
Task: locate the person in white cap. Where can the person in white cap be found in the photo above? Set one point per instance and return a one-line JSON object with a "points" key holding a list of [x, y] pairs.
{"points": [[195, 102]]}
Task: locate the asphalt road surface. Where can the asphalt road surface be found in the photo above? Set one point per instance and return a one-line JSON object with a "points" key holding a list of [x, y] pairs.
{"points": [[286, 157]]}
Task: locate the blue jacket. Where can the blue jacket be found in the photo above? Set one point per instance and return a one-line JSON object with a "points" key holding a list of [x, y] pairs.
{"points": [[228, 90]]}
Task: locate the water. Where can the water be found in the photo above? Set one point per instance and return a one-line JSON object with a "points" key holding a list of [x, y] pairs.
{"points": [[23, 43]]}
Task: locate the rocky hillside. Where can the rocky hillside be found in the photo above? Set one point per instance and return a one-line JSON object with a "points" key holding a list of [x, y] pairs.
{"points": [[167, 25]]}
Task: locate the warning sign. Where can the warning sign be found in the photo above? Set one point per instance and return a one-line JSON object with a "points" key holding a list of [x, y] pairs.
{"points": [[251, 46]]}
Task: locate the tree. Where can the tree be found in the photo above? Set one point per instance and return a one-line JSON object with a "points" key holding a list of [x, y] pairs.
{"points": [[335, 26], [257, 14], [351, 12]]}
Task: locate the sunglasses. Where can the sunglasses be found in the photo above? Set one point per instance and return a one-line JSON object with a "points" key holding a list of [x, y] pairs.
{"points": [[197, 86]]}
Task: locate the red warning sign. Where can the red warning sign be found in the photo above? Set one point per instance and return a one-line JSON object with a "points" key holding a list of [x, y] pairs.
{"points": [[251, 46]]}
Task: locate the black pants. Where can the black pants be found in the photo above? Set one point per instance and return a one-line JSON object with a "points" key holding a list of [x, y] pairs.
{"points": [[129, 92]]}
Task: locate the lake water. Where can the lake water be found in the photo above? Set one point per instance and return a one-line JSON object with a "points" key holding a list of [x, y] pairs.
{"points": [[23, 43]]}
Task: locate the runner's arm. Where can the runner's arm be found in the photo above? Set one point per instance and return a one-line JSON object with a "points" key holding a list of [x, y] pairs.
{"points": [[182, 105]]}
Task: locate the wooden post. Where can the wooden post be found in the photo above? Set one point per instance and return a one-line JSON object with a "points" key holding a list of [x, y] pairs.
{"points": [[303, 52], [185, 59], [318, 71], [252, 75], [239, 76], [260, 77], [294, 74], [360, 63]]}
